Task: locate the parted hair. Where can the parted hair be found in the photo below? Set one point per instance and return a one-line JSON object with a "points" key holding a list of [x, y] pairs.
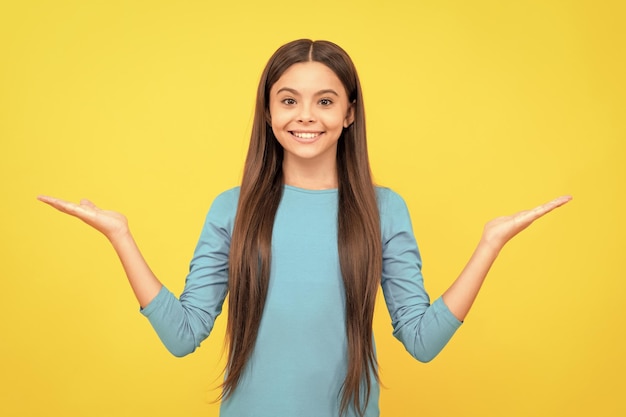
{"points": [[359, 239]]}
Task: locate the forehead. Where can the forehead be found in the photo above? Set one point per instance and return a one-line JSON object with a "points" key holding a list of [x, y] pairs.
{"points": [[305, 76]]}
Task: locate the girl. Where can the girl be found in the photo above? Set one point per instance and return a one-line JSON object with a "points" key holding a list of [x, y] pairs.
{"points": [[301, 248]]}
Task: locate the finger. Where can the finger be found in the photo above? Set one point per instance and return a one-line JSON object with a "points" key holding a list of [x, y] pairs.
{"points": [[551, 205], [534, 214], [68, 207], [46, 199], [54, 202], [562, 200], [85, 202]]}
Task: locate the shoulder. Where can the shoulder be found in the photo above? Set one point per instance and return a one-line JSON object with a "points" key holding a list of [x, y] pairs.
{"points": [[226, 200], [389, 201], [394, 214], [223, 209]]}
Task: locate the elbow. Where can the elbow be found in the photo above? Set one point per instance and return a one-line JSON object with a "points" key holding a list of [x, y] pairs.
{"points": [[184, 340], [180, 347], [418, 346], [180, 351], [426, 350], [422, 349], [424, 356]]}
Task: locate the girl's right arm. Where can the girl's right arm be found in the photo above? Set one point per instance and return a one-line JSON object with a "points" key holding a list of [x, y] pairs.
{"points": [[114, 226]]}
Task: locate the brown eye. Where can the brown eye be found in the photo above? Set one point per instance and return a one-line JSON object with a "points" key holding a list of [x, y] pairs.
{"points": [[326, 102]]}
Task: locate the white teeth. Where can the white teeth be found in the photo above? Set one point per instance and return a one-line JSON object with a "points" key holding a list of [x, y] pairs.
{"points": [[305, 135]]}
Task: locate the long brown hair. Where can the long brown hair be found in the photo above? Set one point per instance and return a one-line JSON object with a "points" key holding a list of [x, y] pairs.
{"points": [[359, 240]]}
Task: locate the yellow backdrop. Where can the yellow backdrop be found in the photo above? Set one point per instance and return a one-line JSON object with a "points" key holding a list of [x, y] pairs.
{"points": [[475, 109]]}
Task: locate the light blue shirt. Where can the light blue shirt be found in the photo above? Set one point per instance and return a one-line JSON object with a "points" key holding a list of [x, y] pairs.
{"points": [[300, 358]]}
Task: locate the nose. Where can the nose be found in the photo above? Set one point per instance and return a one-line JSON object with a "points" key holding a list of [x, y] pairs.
{"points": [[306, 114]]}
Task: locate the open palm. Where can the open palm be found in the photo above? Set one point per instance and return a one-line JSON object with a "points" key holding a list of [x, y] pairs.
{"points": [[109, 223], [502, 229]]}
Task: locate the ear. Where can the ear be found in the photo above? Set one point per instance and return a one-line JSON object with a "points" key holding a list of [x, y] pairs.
{"points": [[349, 115]]}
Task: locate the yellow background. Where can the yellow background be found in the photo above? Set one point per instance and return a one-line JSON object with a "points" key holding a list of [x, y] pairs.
{"points": [[475, 109]]}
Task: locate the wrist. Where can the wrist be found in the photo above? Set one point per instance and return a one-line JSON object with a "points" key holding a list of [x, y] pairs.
{"points": [[489, 246], [120, 237]]}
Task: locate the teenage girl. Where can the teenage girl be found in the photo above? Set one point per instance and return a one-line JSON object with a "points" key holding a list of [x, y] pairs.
{"points": [[301, 248]]}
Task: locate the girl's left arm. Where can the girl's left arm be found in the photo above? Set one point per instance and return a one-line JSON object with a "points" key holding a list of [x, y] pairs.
{"points": [[462, 293]]}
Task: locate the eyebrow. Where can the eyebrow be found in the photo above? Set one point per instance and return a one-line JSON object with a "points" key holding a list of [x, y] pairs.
{"points": [[319, 93]]}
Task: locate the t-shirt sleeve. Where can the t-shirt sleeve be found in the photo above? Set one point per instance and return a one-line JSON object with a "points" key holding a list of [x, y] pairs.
{"points": [[183, 323], [422, 327]]}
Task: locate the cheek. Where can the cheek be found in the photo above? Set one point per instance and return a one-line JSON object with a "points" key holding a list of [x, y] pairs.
{"points": [[279, 119], [334, 120], [278, 123], [279, 136]]}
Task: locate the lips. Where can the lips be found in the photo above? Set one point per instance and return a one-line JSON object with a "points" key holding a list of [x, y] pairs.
{"points": [[306, 137]]}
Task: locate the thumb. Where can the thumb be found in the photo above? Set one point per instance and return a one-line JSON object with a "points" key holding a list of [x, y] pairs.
{"points": [[88, 203]]}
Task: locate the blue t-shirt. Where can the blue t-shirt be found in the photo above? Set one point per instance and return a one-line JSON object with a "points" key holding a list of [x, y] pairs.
{"points": [[300, 358]]}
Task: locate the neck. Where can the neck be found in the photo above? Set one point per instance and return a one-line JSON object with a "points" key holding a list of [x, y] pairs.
{"points": [[310, 175]]}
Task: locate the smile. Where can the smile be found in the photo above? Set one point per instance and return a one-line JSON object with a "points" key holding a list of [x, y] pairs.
{"points": [[306, 135]]}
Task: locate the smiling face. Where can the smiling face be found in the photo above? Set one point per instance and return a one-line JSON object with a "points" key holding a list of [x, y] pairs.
{"points": [[309, 109]]}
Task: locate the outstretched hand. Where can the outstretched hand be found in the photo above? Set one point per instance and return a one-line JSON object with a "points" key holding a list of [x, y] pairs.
{"points": [[462, 293], [500, 230], [109, 223]]}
